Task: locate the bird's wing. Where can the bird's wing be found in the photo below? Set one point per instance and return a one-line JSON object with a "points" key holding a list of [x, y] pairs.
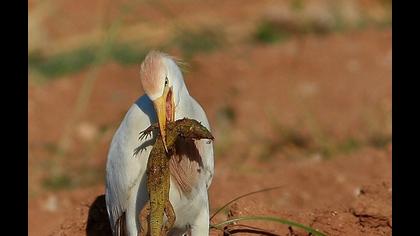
{"points": [[125, 168], [204, 146]]}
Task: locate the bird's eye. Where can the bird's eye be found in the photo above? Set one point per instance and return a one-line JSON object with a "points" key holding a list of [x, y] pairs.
{"points": [[166, 81]]}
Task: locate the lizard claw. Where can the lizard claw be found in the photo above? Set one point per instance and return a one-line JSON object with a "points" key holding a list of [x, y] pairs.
{"points": [[147, 132], [143, 135]]}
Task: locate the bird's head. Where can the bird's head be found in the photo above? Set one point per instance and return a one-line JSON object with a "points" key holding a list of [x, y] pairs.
{"points": [[162, 82]]}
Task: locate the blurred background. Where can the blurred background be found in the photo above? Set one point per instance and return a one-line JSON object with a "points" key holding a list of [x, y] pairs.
{"points": [[298, 94]]}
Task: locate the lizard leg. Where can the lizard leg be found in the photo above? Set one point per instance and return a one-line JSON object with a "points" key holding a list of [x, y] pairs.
{"points": [[144, 213], [170, 213], [143, 134]]}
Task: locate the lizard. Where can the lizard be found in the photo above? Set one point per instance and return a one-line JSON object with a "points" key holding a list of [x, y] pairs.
{"points": [[158, 175]]}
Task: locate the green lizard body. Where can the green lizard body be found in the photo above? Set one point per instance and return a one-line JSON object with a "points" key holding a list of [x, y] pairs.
{"points": [[158, 175]]}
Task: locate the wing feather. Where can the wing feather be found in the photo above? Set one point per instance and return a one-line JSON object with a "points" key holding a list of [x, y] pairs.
{"points": [[205, 147], [124, 169]]}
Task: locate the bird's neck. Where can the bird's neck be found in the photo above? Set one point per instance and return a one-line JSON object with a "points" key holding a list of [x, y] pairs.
{"points": [[183, 103]]}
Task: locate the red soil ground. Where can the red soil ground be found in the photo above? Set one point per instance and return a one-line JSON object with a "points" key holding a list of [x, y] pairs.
{"points": [[342, 80]]}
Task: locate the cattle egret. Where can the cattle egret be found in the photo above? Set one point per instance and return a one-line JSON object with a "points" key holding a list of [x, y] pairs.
{"points": [[191, 168]]}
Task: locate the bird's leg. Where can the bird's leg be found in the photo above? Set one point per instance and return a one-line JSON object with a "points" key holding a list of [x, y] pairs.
{"points": [[143, 134], [144, 213], [170, 214]]}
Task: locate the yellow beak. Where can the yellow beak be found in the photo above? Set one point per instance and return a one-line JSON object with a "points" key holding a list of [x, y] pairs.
{"points": [[160, 105]]}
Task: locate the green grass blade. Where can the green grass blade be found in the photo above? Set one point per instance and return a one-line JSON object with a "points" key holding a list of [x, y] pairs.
{"points": [[268, 218], [242, 196]]}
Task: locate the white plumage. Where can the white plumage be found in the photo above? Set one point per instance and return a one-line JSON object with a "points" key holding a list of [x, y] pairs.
{"points": [[191, 175]]}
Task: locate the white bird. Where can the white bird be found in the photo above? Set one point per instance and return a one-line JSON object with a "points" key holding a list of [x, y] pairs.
{"points": [[192, 168]]}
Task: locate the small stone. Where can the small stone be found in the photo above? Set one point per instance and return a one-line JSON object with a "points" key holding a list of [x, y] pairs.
{"points": [[87, 131], [51, 204]]}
